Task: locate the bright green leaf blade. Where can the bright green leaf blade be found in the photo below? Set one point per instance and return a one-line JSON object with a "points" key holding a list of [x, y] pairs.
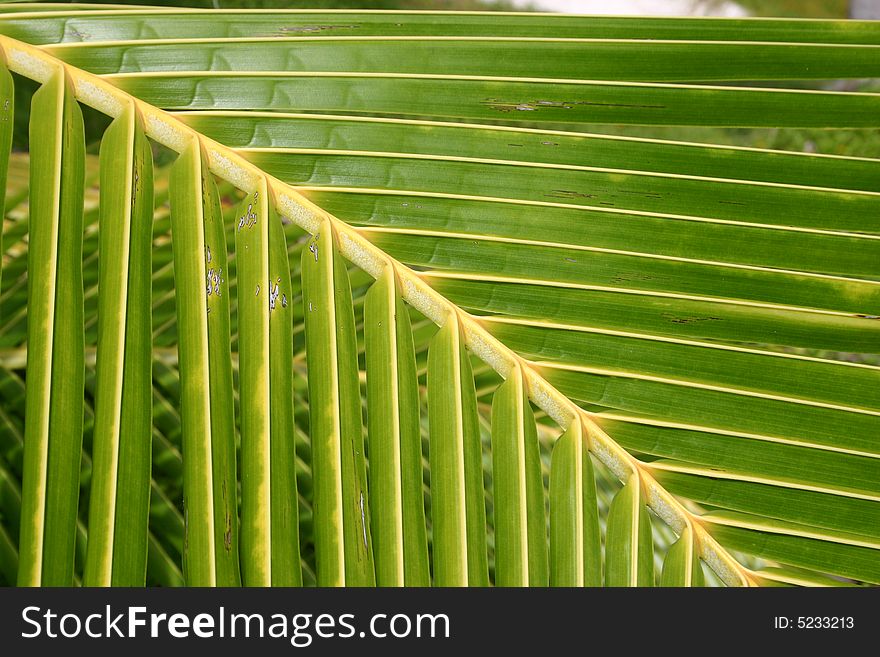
{"points": [[457, 500], [486, 98], [789, 576], [610, 229], [520, 524], [691, 198], [342, 524], [629, 544], [771, 525], [252, 270], [366, 135], [579, 270], [55, 371], [838, 558], [398, 523], [59, 24], [222, 446], [279, 294], [784, 501], [755, 370], [675, 61], [121, 452], [661, 315], [135, 448], [682, 567], [762, 457], [575, 541], [207, 559], [841, 428]]}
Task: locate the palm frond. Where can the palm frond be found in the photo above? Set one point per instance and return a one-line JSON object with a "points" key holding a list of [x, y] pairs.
{"points": [[677, 309]]}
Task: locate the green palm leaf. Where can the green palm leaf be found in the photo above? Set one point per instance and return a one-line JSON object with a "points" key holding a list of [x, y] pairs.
{"points": [[520, 525], [55, 369], [457, 504], [344, 549], [398, 524], [117, 551], [677, 309], [575, 541]]}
